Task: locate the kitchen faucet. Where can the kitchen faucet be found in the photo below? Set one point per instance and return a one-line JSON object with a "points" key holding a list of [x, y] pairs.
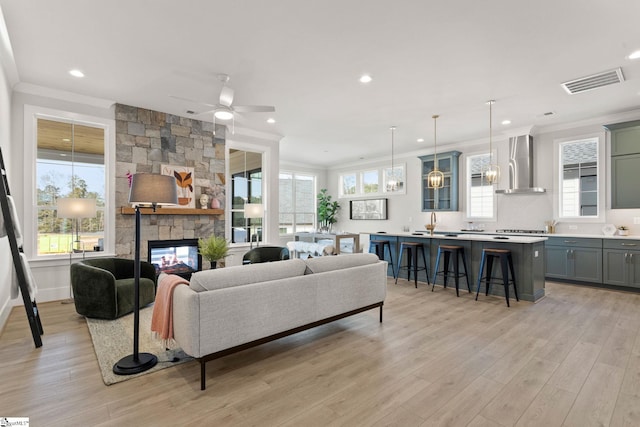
{"points": [[432, 225]]}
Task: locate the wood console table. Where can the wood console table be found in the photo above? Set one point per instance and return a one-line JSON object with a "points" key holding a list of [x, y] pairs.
{"points": [[314, 237]]}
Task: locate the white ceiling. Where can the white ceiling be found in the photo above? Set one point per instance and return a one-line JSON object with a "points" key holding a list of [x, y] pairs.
{"points": [[305, 58]]}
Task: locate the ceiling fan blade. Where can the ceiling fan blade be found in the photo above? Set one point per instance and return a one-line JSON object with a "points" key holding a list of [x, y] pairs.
{"points": [[254, 108], [193, 101], [226, 96]]}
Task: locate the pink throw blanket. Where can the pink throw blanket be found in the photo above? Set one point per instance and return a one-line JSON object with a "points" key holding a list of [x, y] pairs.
{"points": [[162, 318]]}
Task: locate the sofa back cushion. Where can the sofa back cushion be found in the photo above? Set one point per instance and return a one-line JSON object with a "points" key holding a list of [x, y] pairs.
{"points": [[219, 278], [330, 263]]}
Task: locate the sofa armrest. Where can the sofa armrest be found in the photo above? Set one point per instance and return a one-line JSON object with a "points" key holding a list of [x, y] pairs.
{"points": [[94, 291]]}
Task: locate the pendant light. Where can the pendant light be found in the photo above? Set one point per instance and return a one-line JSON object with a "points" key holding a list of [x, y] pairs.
{"points": [[435, 179], [392, 182], [491, 172]]}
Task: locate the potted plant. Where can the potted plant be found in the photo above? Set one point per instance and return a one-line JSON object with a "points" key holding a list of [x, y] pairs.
{"points": [[327, 211], [213, 248], [623, 231]]}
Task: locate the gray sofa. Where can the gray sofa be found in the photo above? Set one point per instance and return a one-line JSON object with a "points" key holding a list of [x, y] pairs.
{"points": [[230, 309]]}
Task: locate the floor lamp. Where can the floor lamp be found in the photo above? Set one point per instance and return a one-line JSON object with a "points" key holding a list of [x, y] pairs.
{"points": [[154, 190], [75, 208], [254, 211]]}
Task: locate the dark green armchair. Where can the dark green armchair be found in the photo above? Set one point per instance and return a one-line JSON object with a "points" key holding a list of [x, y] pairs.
{"points": [[104, 287], [265, 254]]}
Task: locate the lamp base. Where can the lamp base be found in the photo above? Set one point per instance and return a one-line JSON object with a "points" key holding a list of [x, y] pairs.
{"points": [[129, 365]]}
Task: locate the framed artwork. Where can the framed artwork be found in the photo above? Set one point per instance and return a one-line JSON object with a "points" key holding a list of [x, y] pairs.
{"points": [[368, 209], [393, 180], [184, 184]]}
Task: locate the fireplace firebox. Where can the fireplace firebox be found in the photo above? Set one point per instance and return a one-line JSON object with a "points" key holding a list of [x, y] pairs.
{"points": [[180, 257]]}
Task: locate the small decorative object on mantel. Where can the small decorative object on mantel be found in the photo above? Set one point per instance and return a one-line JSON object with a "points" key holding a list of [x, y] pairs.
{"points": [[213, 248], [204, 201], [623, 231]]}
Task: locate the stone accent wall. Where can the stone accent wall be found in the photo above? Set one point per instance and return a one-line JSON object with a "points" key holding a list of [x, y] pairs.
{"points": [[145, 140]]}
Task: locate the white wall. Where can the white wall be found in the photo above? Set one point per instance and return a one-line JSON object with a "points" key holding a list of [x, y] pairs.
{"points": [[6, 267], [527, 211]]}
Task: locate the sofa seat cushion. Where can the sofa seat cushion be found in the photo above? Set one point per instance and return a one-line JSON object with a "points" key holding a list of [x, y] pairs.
{"points": [[330, 263], [220, 278], [125, 294]]}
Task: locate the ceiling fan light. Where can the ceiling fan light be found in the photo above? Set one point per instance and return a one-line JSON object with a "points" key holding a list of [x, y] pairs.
{"points": [[223, 114]]}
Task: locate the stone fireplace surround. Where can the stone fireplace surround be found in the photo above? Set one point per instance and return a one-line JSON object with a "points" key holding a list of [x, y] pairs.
{"points": [[145, 139]]}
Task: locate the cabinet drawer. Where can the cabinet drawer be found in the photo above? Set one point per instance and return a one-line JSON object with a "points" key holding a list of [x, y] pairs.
{"points": [[627, 244], [574, 242]]}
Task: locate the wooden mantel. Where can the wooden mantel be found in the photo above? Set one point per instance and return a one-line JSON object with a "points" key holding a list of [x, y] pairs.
{"points": [[125, 210]]}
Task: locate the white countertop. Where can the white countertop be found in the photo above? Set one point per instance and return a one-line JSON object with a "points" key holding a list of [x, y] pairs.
{"points": [[568, 235], [483, 237]]}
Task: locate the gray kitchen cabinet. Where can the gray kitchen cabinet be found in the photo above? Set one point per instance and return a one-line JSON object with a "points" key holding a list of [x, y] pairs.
{"points": [[621, 261], [625, 163], [576, 259], [445, 198], [625, 191]]}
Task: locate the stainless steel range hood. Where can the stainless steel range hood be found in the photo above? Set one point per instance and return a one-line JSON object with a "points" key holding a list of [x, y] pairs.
{"points": [[521, 167]]}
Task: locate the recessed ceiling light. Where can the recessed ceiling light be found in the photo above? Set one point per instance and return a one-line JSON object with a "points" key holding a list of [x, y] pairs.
{"points": [[76, 73], [506, 122], [271, 120], [634, 55], [365, 78], [66, 140], [420, 139]]}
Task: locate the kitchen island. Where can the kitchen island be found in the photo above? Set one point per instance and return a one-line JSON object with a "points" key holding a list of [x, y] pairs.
{"points": [[527, 252]]}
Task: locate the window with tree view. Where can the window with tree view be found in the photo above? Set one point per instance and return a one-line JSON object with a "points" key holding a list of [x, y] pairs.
{"points": [[69, 164], [246, 187]]}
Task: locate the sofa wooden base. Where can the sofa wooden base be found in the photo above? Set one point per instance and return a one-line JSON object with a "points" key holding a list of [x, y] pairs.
{"points": [[222, 353]]}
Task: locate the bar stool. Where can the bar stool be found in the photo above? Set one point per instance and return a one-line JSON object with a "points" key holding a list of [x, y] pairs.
{"points": [[378, 249], [506, 262], [457, 252], [412, 249]]}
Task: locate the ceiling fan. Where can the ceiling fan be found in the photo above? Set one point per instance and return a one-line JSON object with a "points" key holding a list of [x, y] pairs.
{"points": [[224, 109]]}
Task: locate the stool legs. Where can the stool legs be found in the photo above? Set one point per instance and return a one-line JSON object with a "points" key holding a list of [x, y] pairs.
{"points": [[379, 249], [506, 266], [456, 268], [435, 269], [513, 278], [412, 263]]}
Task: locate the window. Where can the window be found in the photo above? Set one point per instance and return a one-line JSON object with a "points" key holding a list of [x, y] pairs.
{"points": [[246, 187], [394, 180], [348, 185], [370, 182], [480, 195], [579, 182], [297, 203], [69, 162]]}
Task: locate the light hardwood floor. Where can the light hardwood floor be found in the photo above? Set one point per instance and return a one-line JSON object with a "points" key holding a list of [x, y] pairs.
{"points": [[571, 359]]}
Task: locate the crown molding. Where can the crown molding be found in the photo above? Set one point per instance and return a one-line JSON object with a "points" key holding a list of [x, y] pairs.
{"points": [[31, 89]]}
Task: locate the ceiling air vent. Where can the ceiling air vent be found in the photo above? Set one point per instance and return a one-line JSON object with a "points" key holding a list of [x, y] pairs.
{"points": [[593, 82]]}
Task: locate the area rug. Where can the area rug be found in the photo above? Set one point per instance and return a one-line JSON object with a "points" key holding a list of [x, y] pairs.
{"points": [[113, 339]]}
